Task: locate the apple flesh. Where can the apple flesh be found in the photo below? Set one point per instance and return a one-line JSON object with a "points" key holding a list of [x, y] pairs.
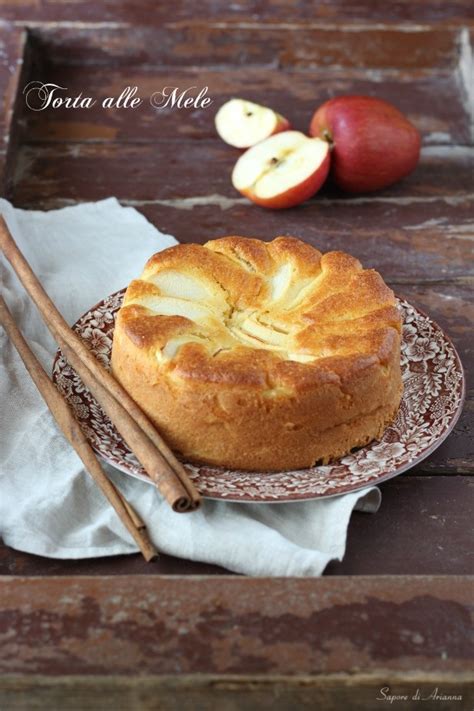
{"points": [[373, 144], [282, 171], [242, 124]]}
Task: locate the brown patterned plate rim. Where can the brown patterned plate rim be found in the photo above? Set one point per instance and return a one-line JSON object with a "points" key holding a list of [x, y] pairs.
{"points": [[436, 359]]}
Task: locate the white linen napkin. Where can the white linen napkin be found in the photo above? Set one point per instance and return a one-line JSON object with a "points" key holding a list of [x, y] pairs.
{"points": [[48, 504]]}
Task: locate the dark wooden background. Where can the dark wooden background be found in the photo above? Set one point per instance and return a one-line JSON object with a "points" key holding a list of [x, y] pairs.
{"points": [[172, 167]]}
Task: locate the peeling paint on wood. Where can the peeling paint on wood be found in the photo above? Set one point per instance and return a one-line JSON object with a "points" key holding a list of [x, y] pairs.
{"points": [[327, 11], [310, 46], [116, 625]]}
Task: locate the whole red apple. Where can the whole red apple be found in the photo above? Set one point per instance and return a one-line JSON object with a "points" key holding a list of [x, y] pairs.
{"points": [[373, 143]]}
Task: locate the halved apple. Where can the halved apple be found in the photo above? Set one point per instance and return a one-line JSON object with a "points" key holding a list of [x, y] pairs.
{"points": [[282, 171], [242, 124]]}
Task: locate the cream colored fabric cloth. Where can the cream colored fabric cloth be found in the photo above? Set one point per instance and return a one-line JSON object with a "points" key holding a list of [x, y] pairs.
{"points": [[48, 504]]}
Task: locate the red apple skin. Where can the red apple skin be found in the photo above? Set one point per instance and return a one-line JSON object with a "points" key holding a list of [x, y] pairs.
{"points": [[282, 125], [374, 144], [297, 194]]}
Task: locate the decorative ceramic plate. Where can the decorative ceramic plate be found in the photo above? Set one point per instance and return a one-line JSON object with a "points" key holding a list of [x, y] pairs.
{"points": [[432, 402]]}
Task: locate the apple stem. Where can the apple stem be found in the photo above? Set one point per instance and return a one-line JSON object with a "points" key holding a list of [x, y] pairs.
{"points": [[327, 137]]}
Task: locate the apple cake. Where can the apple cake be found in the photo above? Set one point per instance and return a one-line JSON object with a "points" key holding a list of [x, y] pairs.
{"points": [[260, 356]]}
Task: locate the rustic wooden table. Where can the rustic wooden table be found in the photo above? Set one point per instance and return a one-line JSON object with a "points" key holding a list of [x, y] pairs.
{"points": [[117, 633]]}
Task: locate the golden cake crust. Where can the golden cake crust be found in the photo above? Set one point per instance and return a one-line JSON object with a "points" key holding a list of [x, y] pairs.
{"points": [[260, 356]]}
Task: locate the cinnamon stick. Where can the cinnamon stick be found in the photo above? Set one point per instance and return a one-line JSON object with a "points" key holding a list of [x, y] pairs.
{"points": [[139, 433], [73, 433], [138, 522]]}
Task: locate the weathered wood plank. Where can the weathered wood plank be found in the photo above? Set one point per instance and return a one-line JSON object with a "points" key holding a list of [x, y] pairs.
{"points": [[17, 563], [435, 512], [279, 11], [411, 240], [422, 528], [12, 43], [171, 174], [158, 626], [358, 692], [204, 42], [12, 49], [437, 105]]}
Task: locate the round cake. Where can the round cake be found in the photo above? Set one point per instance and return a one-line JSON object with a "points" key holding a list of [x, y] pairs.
{"points": [[260, 356]]}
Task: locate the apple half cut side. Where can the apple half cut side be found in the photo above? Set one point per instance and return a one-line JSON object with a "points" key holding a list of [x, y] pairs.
{"points": [[282, 171], [242, 124]]}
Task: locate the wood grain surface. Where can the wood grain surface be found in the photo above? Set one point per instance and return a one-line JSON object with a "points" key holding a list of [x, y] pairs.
{"points": [[309, 644], [138, 12], [209, 640]]}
